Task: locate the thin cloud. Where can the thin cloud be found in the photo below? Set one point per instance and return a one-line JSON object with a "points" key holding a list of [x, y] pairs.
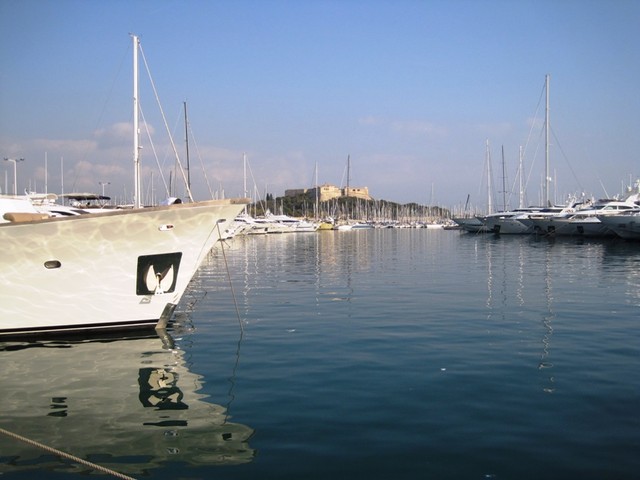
{"points": [[405, 127]]}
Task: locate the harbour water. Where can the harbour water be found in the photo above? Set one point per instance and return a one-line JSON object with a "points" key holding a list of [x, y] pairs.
{"points": [[373, 354]]}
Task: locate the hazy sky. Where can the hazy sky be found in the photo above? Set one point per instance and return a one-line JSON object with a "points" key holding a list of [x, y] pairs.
{"points": [[410, 90]]}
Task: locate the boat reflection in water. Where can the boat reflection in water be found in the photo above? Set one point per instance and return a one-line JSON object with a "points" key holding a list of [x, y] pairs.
{"points": [[125, 404]]}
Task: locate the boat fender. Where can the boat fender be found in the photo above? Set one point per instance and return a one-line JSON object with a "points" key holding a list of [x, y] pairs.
{"points": [[19, 217]]}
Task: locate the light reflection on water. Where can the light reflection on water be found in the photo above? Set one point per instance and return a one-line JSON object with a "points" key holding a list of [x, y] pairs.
{"points": [[419, 354]]}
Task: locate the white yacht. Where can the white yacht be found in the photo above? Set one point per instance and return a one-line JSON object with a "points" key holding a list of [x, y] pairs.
{"points": [[123, 269], [585, 221], [511, 222], [625, 224], [471, 224]]}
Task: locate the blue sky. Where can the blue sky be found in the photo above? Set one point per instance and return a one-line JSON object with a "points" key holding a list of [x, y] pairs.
{"points": [[409, 90]]}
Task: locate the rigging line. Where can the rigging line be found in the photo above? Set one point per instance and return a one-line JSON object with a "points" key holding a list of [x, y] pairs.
{"points": [[62, 454], [175, 127], [235, 303], [166, 126], [255, 187], [535, 155], [526, 145], [535, 116], [125, 55], [226, 264], [566, 159], [232, 379], [84, 154], [204, 172], [155, 153]]}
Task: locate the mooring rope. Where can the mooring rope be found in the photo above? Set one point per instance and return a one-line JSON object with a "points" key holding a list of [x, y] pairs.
{"points": [[62, 454], [235, 302], [226, 264]]}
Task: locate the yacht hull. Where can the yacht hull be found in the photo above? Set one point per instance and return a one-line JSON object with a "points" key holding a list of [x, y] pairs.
{"points": [[124, 269], [624, 226]]}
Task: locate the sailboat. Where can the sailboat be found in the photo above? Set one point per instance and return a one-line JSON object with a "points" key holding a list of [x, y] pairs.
{"points": [[124, 269], [518, 221], [349, 224], [474, 223]]}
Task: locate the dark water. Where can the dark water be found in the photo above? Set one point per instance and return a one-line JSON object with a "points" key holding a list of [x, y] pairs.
{"points": [[370, 354]]}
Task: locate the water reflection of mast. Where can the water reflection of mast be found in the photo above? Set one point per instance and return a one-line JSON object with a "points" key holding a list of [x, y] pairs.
{"points": [[547, 323], [489, 254], [491, 276]]}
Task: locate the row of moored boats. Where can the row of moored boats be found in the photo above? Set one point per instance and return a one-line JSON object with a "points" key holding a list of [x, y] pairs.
{"points": [[600, 218], [246, 224]]}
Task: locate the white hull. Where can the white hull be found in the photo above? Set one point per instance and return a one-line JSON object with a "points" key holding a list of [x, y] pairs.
{"points": [[471, 224], [354, 226], [587, 222], [626, 226], [585, 227], [98, 271], [506, 225]]}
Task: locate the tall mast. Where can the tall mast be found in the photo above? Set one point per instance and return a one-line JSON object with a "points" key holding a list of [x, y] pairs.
{"points": [[348, 172], [186, 137], [546, 146], [244, 179], [62, 179], [317, 204], [504, 187], [489, 186], [521, 198], [46, 186], [136, 129], [244, 176]]}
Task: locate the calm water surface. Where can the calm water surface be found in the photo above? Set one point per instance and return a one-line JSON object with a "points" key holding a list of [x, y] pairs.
{"points": [[372, 354]]}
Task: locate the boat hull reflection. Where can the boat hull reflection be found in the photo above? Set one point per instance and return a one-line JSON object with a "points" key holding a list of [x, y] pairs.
{"points": [[126, 404]]}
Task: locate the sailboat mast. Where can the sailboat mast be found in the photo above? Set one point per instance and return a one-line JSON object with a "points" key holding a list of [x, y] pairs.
{"points": [[317, 204], [244, 175], [546, 146], [504, 187], [489, 185], [521, 179], [348, 172], [136, 129], [186, 137], [46, 186]]}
